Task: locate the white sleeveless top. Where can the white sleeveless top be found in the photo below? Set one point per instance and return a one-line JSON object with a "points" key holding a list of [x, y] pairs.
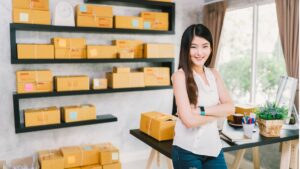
{"points": [[205, 139]]}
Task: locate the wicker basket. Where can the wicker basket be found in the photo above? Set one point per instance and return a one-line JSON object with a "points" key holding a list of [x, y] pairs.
{"points": [[270, 128]]}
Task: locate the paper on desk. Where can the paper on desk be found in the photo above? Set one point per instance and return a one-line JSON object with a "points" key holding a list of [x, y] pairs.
{"points": [[290, 127]]}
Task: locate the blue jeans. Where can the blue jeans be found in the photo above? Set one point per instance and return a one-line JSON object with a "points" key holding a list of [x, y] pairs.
{"points": [[183, 159]]}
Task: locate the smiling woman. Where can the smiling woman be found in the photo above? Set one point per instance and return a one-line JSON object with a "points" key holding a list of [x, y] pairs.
{"points": [[201, 99]]}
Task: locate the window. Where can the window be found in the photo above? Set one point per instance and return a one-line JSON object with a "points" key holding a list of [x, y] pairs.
{"points": [[246, 53]]}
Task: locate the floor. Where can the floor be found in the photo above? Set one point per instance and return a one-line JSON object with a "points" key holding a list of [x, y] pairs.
{"points": [[142, 163]]}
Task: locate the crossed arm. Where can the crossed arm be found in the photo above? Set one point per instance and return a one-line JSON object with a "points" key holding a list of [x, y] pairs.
{"points": [[190, 115]]}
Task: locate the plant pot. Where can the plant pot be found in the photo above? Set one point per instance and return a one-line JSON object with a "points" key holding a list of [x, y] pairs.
{"points": [[270, 128]]}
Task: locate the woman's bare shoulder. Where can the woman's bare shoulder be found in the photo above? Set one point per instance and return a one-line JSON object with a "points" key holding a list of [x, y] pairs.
{"points": [[178, 74]]}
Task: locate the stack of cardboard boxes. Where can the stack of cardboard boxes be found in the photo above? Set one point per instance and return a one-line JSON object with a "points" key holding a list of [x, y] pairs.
{"points": [[100, 156], [31, 12], [158, 125]]}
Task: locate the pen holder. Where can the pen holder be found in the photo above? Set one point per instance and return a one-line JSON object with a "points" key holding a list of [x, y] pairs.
{"points": [[248, 130]]}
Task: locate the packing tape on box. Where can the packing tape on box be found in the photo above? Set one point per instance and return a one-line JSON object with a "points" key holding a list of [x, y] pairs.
{"points": [[149, 126], [81, 159]]}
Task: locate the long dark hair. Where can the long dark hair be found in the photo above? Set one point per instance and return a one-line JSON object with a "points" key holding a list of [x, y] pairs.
{"points": [[185, 60]]}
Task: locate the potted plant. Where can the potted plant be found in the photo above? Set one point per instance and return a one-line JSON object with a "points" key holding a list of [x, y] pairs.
{"points": [[270, 119]]}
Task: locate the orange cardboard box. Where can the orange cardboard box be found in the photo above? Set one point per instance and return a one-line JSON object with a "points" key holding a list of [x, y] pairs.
{"points": [[159, 50], [243, 109], [158, 125], [78, 113], [136, 79], [101, 52], [128, 46], [157, 76], [69, 48], [94, 16], [35, 51], [128, 22], [92, 167], [118, 80], [31, 16], [51, 159], [99, 83], [34, 81], [121, 69], [108, 153], [72, 156], [31, 4], [72, 83], [39, 117], [155, 20], [112, 166], [90, 154], [126, 55]]}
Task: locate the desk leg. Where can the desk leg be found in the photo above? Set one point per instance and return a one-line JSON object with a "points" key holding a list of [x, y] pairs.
{"points": [[255, 156], [285, 155], [169, 163], [294, 154], [158, 158], [151, 158], [238, 159]]}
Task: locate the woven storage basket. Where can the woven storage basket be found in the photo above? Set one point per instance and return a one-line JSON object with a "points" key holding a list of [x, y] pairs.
{"points": [[270, 128]]}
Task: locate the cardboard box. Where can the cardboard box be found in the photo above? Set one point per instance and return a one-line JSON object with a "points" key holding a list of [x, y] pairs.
{"points": [[34, 81], [69, 48], [31, 4], [159, 50], [158, 125], [108, 153], [128, 22], [72, 83], [39, 117], [51, 159], [78, 113], [101, 52], [136, 79], [125, 47], [72, 156], [243, 109], [31, 16], [118, 80], [126, 55], [99, 83], [121, 69], [157, 76], [36, 51], [155, 20], [90, 154], [94, 16], [112, 166], [92, 167]]}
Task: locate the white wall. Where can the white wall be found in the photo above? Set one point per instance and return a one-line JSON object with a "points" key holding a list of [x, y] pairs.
{"points": [[126, 106]]}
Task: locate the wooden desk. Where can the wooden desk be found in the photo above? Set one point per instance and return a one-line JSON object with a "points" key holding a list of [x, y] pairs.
{"points": [[289, 138]]}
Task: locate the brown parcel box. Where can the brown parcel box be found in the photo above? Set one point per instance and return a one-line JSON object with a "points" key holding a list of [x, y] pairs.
{"points": [[155, 20], [31, 16], [94, 16], [99, 83], [72, 83], [108, 153], [136, 79], [128, 46], [112, 166], [69, 48], [157, 76], [101, 52], [35, 51], [118, 80], [45, 116], [92, 167], [243, 109], [42, 5], [158, 125], [51, 159], [159, 50], [121, 69], [72, 156], [34, 81], [126, 54], [78, 113], [90, 154], [128, 22]]}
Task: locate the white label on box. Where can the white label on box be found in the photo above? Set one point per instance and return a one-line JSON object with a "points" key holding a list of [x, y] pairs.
{"points": [[135, 23], [96, 83], [115, 156], [73, 115], [24, 17]]}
